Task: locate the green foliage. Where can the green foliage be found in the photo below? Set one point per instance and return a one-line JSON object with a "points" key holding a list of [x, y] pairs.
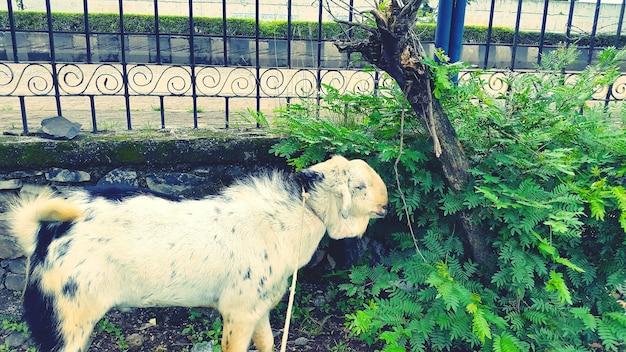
{"points": [[548, 189], [213, 26], [200, 329], [105, 325]]}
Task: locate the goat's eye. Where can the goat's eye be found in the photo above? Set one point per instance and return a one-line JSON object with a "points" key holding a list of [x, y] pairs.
{"points": [[359, 187]]}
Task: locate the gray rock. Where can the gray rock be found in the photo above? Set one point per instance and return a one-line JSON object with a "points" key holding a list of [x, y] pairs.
{"points": [[301, 341], [9, 248], [22, 174], [172, 183], [203, 347], [16, 266], [10, 184], [15, 282], [135, 341], [64, 175], [15, 339], [120, 177], [59, 127]]}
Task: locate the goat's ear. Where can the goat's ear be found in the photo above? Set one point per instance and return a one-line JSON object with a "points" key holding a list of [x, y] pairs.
{"points": [[336, 171], [346, 200]]}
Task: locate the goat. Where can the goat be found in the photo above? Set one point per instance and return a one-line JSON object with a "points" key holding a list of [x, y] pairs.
{"points": [[92, 250]]}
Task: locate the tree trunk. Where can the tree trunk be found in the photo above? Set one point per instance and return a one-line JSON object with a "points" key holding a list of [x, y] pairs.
{"points": [[394, 48]]}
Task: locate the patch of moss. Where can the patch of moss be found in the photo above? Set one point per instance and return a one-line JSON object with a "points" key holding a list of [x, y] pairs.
{"points": [[130, 152]]}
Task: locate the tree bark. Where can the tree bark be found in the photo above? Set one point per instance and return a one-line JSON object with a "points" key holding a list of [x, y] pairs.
{"points": [[394, 48]]}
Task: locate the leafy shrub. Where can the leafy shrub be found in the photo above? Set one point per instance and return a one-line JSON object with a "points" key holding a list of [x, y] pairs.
{"points": [[549, 173], [109, 23]]}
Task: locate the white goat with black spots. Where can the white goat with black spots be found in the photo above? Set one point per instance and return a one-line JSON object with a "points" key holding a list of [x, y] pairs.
{"points": [[93, 250]]}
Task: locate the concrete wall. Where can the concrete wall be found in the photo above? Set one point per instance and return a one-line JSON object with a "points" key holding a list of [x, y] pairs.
{"points": [[241, 51]]}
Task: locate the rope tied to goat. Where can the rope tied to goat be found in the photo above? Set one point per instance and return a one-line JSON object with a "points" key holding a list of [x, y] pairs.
{"points": [[294, 279]]}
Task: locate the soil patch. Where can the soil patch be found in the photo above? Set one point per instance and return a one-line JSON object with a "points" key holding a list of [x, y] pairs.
{"points": [[182, 329]]}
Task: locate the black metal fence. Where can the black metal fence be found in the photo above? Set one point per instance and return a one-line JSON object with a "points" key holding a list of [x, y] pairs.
{"points": [[198, 80]]}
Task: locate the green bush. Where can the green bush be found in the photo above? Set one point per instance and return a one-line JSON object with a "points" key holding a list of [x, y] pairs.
{"points": [[549, 190], [107, 23]]}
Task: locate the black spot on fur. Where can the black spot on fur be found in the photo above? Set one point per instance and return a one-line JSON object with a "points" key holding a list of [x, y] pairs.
{"points": [[61, 250], [306, 179], [119, 193], [262, 281], [266, 255], [48, 231], [40, 317], [69, 288], [248, 274]]}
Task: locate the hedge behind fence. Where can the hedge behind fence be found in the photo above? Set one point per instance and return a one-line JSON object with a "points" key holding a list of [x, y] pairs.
{"points": [[109, 23]]}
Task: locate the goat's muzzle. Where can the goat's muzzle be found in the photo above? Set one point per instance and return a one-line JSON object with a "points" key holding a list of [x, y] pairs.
{"points": [[381, 213]]}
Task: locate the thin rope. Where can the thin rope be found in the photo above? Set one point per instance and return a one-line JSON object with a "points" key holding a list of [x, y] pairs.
{"points": [[294, 279]]}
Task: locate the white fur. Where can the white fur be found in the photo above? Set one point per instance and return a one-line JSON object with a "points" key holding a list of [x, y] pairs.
{"points": [[234, 251]]}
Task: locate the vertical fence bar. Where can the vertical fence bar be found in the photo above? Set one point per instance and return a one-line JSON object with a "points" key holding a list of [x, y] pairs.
{"points": [[23, 110], [12, 29], [192, 63], [592, 38], [225, 44], [618, 34], [289, 30], [16, 60], [159, 60], [350, 32], [489, 33], [568, 28], [620, 23], [157, 32], [129, 124], [544, 19], [53, 64], [94, 121], [162, 108], [257, 14], [92, 101], [516, 35], [225, 33], [319, 48], [87, 31]]}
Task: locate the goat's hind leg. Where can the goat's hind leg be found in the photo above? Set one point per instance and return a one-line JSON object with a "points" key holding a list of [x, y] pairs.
{"points": [[263, 337], [57, 324], [237, 333], [76, 324]]}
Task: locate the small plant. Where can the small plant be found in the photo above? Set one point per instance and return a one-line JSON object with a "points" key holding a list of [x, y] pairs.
{"points": [[10, 324], [105, 325], [198, 110], [200, 329]]}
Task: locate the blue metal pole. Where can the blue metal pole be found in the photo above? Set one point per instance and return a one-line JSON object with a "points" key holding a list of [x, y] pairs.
{"points": [[456, 31], [444, 23]]}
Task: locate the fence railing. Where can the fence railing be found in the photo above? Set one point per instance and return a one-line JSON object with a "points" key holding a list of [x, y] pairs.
{"points": [[107, 80]]}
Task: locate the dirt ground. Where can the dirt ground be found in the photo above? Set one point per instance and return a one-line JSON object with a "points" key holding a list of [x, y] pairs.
{"points": [[184, 329]]}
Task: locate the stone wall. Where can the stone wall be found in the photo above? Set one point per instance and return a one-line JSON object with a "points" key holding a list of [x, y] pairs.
{"points": [[189, 167]]}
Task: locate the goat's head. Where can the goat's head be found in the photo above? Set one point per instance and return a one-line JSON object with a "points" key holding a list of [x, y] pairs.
{"points": [[368, 191], [360, 195]]}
